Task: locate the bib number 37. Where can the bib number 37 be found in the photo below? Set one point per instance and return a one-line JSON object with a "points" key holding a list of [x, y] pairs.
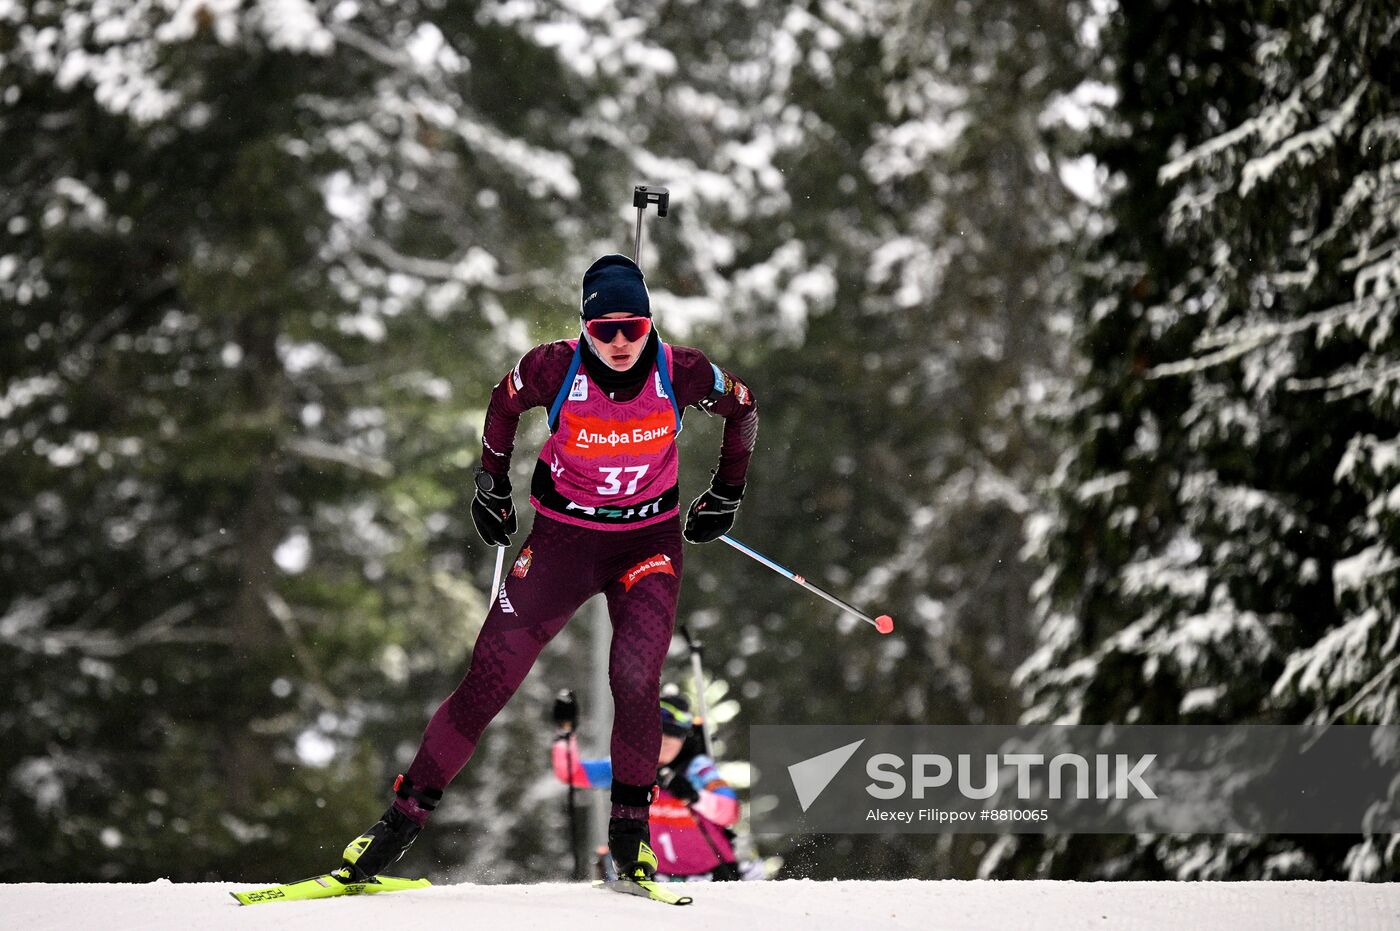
{"points": [[612, 477]]}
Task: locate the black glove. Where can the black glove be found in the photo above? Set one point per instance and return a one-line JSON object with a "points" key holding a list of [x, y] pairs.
{"points": [[565, 712], [712, 514], [677, 784], [493, 511]]}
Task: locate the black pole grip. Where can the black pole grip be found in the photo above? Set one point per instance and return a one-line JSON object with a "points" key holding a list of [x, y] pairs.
{"points": [[695, 646], [566, 710]]}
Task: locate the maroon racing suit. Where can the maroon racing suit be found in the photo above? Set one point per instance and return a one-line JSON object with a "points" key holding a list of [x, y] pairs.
{"points": [[633, 559]]}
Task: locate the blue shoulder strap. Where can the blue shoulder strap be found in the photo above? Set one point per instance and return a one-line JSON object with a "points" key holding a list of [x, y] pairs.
{"points": [[664, 369], [565, 388]]}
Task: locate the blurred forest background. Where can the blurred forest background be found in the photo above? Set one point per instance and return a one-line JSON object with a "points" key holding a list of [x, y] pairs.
{"points": [[1074, 328]]}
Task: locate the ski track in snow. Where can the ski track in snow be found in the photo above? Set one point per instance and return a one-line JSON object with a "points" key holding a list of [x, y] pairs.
{"points": [[772, 906]]}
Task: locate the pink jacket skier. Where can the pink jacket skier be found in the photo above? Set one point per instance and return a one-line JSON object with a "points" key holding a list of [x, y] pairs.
{"points": [[692, 807]]}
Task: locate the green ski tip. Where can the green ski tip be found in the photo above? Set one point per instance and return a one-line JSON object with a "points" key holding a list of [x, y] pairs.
{"points": [[325, 886], [646, 889]]}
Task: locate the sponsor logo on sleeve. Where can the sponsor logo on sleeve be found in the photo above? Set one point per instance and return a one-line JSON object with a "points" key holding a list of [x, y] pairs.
{"points": [[660, 563]]}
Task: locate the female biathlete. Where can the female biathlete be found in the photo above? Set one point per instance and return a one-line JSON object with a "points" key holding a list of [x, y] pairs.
{"points": [[607, 505]]}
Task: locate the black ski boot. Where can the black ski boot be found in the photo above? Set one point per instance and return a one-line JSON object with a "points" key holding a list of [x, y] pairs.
{"points": [[389, 838], [629, 841]]}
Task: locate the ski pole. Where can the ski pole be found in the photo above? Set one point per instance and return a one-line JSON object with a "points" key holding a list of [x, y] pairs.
{"points": [[566, 724], [496, 578], [883, 623], [698, 672], [573, 818], [642, 196]]}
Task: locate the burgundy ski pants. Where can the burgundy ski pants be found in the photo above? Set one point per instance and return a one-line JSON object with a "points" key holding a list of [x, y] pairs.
{"points": [[559, 567]]}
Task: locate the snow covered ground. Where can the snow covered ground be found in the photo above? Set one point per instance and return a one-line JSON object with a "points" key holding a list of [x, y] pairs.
{"points": [[776, 906]]}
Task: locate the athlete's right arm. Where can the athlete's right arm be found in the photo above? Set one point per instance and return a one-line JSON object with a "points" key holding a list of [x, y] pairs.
{"points": [[532, 383]]}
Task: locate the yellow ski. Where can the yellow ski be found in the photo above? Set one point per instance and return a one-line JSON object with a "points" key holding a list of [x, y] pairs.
{"points": [[646, 888], [325, 886]]}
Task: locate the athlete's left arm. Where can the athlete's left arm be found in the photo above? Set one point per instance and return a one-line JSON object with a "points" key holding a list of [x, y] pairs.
{"points": [[718, 802], [716, 391]]}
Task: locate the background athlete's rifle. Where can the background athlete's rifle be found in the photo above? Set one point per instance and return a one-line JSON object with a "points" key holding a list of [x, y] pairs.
{"points": [[642, 196]]}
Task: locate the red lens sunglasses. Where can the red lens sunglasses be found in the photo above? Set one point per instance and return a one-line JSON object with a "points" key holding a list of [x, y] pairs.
{"points": [[605, 329]]}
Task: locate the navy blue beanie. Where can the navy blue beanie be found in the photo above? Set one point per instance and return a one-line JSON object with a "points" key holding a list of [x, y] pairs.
{"points": [[611, 284]]}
